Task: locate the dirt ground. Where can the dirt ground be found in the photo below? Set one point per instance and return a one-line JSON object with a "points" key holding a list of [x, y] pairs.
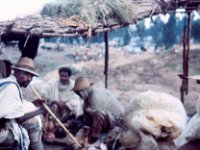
{"points": [[129, 73], [132, 73]]}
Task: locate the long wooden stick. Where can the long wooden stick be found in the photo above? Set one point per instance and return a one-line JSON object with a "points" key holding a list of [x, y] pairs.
{"points": [[54, 116]]}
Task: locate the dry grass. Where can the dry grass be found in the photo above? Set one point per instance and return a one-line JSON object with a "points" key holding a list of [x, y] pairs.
{"points": [[92, 11]]}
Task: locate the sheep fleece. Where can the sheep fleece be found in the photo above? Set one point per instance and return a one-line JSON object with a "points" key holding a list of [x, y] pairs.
{"points": [[154, 111]]}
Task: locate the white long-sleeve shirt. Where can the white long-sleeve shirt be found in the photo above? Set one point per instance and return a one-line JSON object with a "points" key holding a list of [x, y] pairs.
{"points": [[57, 92], [11, 107], [11, 104]]}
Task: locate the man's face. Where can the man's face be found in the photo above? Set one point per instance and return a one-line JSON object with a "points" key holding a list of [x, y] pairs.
{"points": [[23, 78], [64, 78]]}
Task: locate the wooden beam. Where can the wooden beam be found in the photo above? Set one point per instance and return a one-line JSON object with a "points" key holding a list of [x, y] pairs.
{"points": [[72, 33]]}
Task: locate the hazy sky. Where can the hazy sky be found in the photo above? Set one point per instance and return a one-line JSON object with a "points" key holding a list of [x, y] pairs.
{"points": [[10, 9]]}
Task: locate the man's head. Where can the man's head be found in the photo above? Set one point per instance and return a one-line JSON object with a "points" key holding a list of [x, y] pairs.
{"points": [[81, 84], [64, 74], [24, 71]]}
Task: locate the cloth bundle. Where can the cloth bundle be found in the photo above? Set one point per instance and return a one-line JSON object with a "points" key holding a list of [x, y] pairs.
{"points": [[156, 113]]}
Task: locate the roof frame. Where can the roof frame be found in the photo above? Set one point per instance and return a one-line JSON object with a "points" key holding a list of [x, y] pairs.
{"points": [[73, 27]]}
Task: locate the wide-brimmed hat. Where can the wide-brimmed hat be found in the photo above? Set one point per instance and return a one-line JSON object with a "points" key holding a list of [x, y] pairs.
{"points": [[81, 83], [195, 77], [26, 64]]}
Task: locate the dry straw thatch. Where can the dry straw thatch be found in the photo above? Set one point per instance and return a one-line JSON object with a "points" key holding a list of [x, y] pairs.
{"points": [[93, 12], [73, 18]]}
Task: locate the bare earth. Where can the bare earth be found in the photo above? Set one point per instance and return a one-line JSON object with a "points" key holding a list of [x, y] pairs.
{"points": [[129, 73]]}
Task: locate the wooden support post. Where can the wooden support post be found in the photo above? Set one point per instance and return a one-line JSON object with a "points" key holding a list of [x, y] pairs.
{"points": [[188, 44], [183, 85], [186, 49], [106, 59]]}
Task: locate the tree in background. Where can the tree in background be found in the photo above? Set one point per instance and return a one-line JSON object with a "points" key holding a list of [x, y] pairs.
{"points": [[179, 29], [141, 30], [126, 36], [169, 32], [163, 34], [195, 31], [156, 32]]}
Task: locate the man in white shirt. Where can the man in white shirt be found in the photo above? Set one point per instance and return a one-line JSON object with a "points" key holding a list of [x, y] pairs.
{"points": [[13, 135], [59, 91]]}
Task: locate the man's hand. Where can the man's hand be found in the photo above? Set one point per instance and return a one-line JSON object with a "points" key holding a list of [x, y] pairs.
{"points": [[43, 110], [38, 102]]}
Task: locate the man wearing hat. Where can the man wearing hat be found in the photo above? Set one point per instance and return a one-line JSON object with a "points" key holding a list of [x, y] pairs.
{"points": [[12, 135], [102, 110]]}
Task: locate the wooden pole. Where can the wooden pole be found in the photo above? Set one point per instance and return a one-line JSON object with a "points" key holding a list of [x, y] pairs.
{"points": [[188, 46], [183, 85], [106, 59], [186, 49], [54, 116]]}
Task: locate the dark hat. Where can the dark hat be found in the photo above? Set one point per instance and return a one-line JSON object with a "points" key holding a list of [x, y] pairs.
{"points": [[26, 64]]}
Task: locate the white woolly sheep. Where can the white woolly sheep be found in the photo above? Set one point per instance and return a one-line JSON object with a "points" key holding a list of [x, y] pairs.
{"points": [[156, 119]]}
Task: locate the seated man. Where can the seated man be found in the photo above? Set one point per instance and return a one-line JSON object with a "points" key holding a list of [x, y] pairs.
{"points": [[59, 91], [32, 125], [12, 115]]}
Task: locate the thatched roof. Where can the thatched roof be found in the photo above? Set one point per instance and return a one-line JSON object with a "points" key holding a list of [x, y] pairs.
{"points": [[74, 18]]}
